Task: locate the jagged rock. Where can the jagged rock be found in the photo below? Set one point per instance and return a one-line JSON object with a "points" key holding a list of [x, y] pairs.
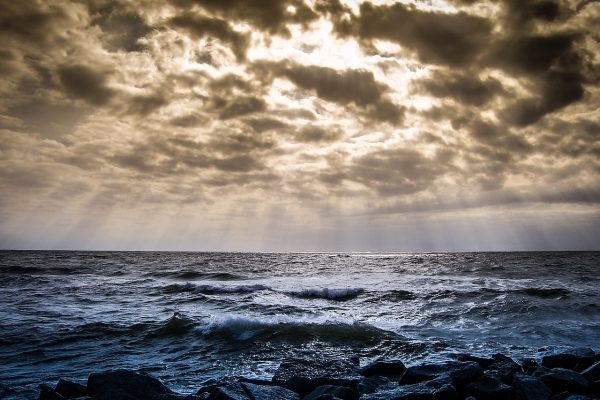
{"points": [[482, 361], [327, 391], [383, 367], [269, 392], [504, 370], [47, 393], [228, 391], [578, 397], [461, 372], [439, 388], [70, 389], [303, 376], [595, 388], [375, 383], [576, 359], [490, 388], [530, 388], [125, 385], [529, 363], [592, 373], [560, 379]]}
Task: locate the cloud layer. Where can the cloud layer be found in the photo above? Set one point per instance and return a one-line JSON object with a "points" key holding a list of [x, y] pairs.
{"points": [[198, 118]]}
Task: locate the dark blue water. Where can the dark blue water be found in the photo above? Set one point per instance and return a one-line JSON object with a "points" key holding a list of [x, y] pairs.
{"points": [[190, 318]]}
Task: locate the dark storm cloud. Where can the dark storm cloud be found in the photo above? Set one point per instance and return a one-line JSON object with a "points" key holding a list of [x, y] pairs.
{"points": [[85, 83], [271, 16], [122, 27], [51, 120], [312, 133], [265, 124], [200, 26], [391, 172], [465, 88], [28, 21], [345, 87], [239, 106], [440, 38]]}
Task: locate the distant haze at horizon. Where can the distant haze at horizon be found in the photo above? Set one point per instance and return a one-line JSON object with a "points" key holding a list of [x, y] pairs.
{"points": [[300, 125]]}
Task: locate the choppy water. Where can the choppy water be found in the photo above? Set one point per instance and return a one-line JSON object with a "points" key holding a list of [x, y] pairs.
{"points": [[192, 317]]}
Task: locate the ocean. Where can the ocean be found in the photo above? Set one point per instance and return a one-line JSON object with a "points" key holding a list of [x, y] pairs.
{"points": [[196, 318]]}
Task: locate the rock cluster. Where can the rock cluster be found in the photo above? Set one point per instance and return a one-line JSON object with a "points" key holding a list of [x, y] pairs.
{"points": [[570, 375]]}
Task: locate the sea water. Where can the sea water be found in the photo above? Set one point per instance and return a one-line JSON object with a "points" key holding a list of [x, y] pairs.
{"points": [[195, 318]]}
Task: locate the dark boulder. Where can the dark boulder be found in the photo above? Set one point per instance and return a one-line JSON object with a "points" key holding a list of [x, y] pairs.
{"points": [[592, 373], [439, 388], [576, 359], [595, 388], [530, 388], [504, 370], [578, 397], [482, 361], [560, 380], [269, 392], [384, 368], [125, 385], [328, 391], [47, 393], [228, 391], [462, 373], [490, 388], [70, 389], [529, 363], [374, 384], [303, 376]]}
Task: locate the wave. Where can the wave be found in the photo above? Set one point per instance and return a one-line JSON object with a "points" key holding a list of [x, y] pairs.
{"points": [[212, 289], [290, 328], [17, 269], [540, 292], [178, 324], [191, 275], [328, 294]]}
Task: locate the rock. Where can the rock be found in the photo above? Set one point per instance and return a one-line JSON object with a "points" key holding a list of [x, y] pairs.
{"points": [[328, 391], [576, 359], [592, 373], [228, 391], [375, 383], [578, 397], [595, 388], [461, 373], [490, 388], [125, 385], [70, 389], [47, 393], [560, 380], [383, 367], [269, 392], [483, 362], [505, 370], [304, 376], [502, 357], [529, 363], [530, 388], [439, 388]]}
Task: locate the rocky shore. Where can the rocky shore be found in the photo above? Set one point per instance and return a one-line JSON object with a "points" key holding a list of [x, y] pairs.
{"points": [[569, 375]]}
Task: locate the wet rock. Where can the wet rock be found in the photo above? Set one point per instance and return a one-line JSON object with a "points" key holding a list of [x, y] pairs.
{"points": [[592, 373], [125, 385], [336, 392], [461, 373], [70, 389], [490, 388], [576, 359], [229, 391], [595, 388], [374, 384], [269, 392], [439, 388], [483, 362], [304, 376], [505, 370], [383, 367], [530, 388], [529, 363], [560, 380], [47, 393], [578, 397]]}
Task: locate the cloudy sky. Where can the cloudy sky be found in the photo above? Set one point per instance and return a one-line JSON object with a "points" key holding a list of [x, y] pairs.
{"points": [[300, 124]]}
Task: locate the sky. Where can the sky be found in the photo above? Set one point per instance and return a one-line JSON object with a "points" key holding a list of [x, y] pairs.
{"points": [[300, 125]]}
